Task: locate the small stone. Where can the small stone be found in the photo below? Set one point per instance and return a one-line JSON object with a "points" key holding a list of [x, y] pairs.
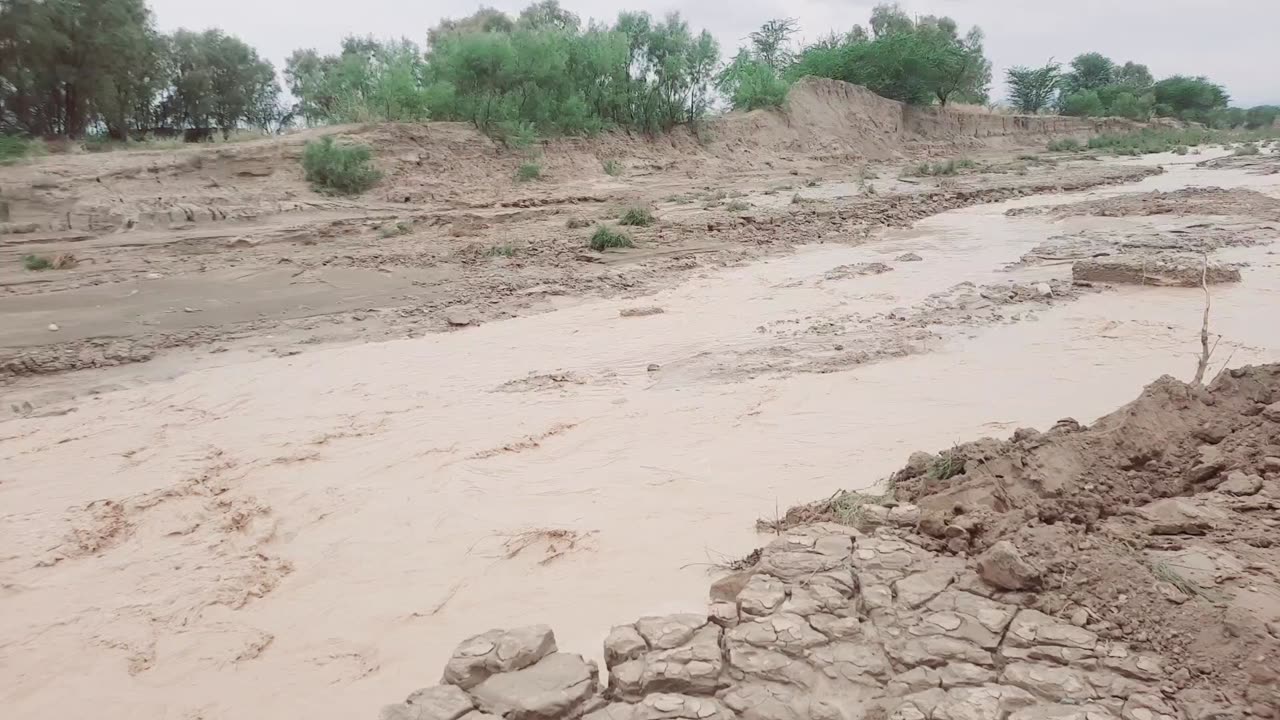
{"points": [[1079, 617], [1176, 516], [1204, 471], [1212, 432], [53, 327], [1003, 566], [1272, 412], [1043, 290], [1239, 483], [459, 316], [1271, 464], [654, 367], [641, 311], [153, 276], [909, 257]]}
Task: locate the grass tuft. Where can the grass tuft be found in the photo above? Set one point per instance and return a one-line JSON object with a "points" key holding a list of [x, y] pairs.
{"points": [[36, 262], [503, 250], [605, 238], [637, 217], [1246, 149], [946, 465], [738, 206], [612, 168], [529, 171], [1065, 145]]}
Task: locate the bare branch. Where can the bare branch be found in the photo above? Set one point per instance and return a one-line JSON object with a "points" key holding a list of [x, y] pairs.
{"points": [[1205, 352]]}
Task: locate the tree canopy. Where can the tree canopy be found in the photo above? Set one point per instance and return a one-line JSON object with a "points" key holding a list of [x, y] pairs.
{"points": [[100, 67], [71, 67], [914, 60]]}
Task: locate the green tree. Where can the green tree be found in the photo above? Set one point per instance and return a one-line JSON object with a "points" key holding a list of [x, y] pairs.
{"points": [[219, 82], [1083, 103], [912, 61], [771, 44], [1089, 71], [65, 63], [1189, 98], [548, 15], [1135, 77], [1126, 105], [1261, 116], [750, 83], [1032, 89]]}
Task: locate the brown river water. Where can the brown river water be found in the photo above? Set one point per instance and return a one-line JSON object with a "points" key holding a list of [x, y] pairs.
{"points": [[309, 536]]}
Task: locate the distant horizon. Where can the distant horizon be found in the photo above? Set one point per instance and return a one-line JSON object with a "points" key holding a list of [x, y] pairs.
{"points": [[1178, 37]]}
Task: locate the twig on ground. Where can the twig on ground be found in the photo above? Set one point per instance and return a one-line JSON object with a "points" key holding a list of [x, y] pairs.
{"points": [[1203, 364]]}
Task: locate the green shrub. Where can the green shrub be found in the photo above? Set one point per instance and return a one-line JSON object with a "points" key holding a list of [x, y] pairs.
{"points": [[1064, 145], [637, 217], [604, 238], [528, 171], [36, 262], [1180, 150], [503, 250], [738, 206], [612, 168], [340, 169], [1246, 149], [14, 148], [1152, 140]]}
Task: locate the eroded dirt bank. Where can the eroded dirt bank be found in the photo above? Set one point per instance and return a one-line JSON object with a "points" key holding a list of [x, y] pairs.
{"points": [[210, 250], [1130, 569]]}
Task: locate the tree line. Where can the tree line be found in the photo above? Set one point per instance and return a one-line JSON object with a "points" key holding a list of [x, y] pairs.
{"points": [[71, 67], [1096, 86], [99, 67]]}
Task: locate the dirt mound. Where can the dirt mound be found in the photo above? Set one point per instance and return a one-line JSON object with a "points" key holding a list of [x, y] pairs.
{"points": [[1188, 201], [1157, 270], [1157, 526]]}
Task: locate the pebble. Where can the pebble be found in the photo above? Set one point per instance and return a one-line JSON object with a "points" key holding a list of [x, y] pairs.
{"points": [[53, 327], [1079, 617], [654, 367]]}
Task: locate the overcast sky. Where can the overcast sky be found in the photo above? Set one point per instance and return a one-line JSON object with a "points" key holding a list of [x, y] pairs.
{"points": [[1231, 41]]}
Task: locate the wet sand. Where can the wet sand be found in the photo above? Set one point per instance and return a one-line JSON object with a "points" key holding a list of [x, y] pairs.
{"points": [[311, 535]]}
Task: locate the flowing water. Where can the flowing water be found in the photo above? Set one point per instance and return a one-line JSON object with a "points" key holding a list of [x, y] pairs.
{"points": [[310, 536]]}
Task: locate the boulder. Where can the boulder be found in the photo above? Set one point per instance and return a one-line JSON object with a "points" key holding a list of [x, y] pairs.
{"points": [[497, 651], [1176, 516], [1003, 566], [1239, 483], [439, 702], [557, 686]]}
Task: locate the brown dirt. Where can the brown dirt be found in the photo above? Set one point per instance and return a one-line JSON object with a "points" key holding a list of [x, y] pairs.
{"points": [[1187, 201], [202, 247], [1157, 525]]}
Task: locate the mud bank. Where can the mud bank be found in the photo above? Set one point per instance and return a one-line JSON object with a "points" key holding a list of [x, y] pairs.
{"points": [[1124, 570]]}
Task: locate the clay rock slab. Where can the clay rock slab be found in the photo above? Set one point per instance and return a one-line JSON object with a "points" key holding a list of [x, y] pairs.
{"points": [[497, 651], [555, 687], [439, 702]]}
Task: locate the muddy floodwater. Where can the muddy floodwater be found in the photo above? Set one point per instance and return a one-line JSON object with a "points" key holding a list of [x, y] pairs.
{"points": [[309, 536]]}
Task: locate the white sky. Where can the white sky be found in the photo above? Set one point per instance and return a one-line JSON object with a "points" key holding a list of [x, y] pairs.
{"points": [[1234, 42]]}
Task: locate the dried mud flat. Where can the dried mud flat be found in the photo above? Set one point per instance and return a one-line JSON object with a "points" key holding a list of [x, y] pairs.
{"points": [[1130, 569]]}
